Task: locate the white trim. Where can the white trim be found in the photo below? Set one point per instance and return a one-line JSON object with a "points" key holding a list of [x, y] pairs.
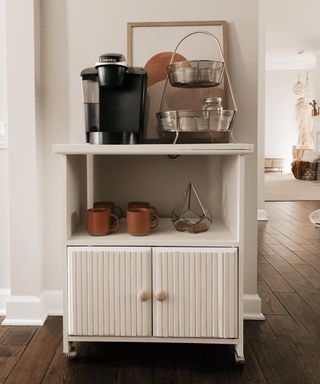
{"points": [[252, 307], [262, 215], [33, 310], [254, 316], [34, 322], [4, 297], [53, 302]]}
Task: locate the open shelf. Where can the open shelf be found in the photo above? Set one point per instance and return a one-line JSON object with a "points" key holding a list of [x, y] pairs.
{"points": [[154, 149], [165, 234]]}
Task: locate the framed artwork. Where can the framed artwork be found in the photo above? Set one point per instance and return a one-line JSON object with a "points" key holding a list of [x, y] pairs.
{"points": [[152, 45]]}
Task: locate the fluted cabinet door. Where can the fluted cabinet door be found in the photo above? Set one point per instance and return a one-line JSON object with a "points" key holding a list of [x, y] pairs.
{"points": [[109, 291], [195, 292]]}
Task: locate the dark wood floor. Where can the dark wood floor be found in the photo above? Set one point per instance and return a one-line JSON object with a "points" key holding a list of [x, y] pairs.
{"points": [[283, 349]]}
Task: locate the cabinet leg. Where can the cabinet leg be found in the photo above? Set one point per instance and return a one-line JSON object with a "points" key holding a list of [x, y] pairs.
{"points": [[70, 350], [239, 354]]}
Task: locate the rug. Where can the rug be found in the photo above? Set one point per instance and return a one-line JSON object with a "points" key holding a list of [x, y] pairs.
{"points": [[284, 187]]}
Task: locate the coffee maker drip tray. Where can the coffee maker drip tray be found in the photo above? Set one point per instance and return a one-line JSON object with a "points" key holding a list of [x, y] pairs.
{"points": [[113, 138]]}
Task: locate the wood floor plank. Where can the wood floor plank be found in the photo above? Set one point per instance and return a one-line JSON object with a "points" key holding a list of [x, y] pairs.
{"points": [[307, 345], [19, 335], [287, 242], [9, 356], [280, 365], [310, 355], [34, 362], [287, 254], [3, 331], [310, 274], [298, 283], [257, 329], [274, 280], [285, 325], [63, 370], [310, 259], [270, 303], [252, 372], [301, 312]]}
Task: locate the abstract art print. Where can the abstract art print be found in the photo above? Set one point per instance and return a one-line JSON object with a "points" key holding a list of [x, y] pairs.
{"points": [[152, 45]]}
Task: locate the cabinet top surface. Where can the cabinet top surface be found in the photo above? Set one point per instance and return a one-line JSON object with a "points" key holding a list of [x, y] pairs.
{"points": [[154, 149]]}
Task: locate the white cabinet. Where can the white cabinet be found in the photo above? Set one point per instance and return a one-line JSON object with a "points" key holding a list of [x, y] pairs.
{"points": [[195, 292], [191, 292], [168, 286], [108, 291]]}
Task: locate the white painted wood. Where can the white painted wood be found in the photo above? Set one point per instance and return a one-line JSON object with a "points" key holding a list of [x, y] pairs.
{"points": [[193, 270], [155, 149], [218, 235], [198, 277], [75, 192], [128, 339], [90, 268], [240, 345]]}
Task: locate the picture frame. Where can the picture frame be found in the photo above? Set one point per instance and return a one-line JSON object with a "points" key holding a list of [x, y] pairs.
{"points": [[151, 45]]}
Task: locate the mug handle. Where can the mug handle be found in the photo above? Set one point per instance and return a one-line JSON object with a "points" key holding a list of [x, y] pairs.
{"points": [[154, 221], [155, 212], [115, 225], [118, 211]]}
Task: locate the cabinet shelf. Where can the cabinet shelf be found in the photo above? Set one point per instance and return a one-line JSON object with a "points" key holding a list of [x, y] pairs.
{"points": [[165, 234], [154, 149]]}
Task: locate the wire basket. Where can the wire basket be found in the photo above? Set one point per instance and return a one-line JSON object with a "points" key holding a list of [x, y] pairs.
{"points": [[196, 126], [196, 73]]}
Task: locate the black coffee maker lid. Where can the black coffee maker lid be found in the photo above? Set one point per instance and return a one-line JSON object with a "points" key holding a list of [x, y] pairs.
{"points": [[112, 59]]}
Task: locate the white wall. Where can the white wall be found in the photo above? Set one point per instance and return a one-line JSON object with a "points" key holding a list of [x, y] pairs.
{"points": [[4, 186], [262, 213], [317, 79], [24, 161], [281, 129], [72, 36]]}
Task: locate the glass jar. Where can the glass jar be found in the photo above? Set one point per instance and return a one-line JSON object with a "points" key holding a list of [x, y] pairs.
{"points": [[212, 104]]}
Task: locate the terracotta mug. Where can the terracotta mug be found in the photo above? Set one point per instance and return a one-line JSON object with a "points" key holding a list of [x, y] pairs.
{"points": [[115, 209], [145, 204], [99, 221], [140, 221]]}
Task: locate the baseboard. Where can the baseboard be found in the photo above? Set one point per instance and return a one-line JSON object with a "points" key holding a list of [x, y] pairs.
{"points": [[252, 307], [4, 297], [262, 215], [33, 310]]}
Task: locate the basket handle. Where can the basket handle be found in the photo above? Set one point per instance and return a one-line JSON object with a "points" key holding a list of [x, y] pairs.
{"points": [[223, 60]]}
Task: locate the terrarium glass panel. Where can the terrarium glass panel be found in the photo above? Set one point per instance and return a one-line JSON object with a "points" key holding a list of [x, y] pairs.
{"points": [[190, 214]]}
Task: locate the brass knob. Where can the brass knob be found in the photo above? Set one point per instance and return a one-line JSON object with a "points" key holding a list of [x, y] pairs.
{"points": [[144, 296], [161, 296]]}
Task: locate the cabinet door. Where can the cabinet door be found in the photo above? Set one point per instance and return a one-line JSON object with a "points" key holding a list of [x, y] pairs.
{"points": [[109, 291], [195, 292]]}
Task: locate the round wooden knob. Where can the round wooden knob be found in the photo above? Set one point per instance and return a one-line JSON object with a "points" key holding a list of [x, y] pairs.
{"points": [[161, 296], [144, 296]]}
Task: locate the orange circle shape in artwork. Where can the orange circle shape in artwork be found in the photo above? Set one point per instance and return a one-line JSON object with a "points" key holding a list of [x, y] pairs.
{"points": [[156, 67]]}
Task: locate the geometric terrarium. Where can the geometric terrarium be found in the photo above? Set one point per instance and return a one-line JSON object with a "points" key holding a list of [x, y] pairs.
{"points": [[190, 214]]}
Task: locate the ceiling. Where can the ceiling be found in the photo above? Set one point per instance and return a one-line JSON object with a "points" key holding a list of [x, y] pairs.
{"points": [[292, 26]]}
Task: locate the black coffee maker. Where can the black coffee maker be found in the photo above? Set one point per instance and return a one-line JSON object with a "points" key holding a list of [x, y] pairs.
{"points": [[114, 101]]}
